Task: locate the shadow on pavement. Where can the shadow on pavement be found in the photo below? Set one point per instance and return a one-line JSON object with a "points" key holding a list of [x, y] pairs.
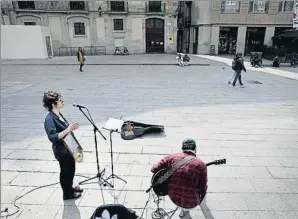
{"points": [[70, 210]]}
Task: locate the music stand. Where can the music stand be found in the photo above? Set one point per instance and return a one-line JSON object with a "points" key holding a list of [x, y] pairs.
{"points": [[113, 125], [95, 129]]}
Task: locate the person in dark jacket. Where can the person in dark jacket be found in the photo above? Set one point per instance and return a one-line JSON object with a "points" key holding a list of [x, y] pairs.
{"points": [[276, 62], [233, 67], [238, 67], [81, 57], [56, 130]]}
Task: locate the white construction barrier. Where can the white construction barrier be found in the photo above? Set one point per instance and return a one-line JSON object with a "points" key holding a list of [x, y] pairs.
{"points": [[25, 42]]}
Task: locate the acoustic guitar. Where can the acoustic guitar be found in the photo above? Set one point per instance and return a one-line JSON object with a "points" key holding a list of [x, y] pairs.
{"points": [[72, 144], [161, 189]]}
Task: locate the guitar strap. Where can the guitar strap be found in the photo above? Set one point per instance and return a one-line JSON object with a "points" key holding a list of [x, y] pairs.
{"points": [[66, 122], [174, 168]]}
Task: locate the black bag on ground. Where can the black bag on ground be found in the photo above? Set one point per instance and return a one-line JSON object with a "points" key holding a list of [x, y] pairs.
{"points": [[117, 210], [131, 130]]}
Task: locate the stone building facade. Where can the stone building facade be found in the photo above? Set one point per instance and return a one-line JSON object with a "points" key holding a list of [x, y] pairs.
{"points": [[237, 26], [198, 27], [141, 26]]}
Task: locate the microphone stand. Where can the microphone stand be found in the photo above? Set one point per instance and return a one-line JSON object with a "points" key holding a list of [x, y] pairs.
{"points": [[112, 176], [95, 129]]}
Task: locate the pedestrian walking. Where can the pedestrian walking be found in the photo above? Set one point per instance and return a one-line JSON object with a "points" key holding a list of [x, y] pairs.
{"points": [[81, 58], [239, 66], [233, 67]]}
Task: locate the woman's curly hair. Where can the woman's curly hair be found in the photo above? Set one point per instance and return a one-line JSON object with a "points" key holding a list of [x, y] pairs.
{"points": [[50, 98]]}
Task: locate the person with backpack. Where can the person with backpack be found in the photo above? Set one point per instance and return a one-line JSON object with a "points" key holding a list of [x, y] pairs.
{"points": [[233, 67], [238, 67]]}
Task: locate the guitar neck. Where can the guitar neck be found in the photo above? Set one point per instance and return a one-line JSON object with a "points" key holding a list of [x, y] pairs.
{"points": [[216, 162], [209, 164]]}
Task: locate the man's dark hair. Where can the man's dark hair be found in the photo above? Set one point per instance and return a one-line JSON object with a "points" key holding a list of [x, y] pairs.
{"points": [[188, 144], [50, 98]]}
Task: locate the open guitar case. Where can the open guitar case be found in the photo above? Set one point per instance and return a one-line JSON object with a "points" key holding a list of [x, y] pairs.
{"points": [[131, 129], [112, 211]]}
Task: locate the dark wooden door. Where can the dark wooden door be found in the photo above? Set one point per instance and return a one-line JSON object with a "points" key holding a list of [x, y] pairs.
{"points": [[179, 40], [196, 40], [155, 35]]}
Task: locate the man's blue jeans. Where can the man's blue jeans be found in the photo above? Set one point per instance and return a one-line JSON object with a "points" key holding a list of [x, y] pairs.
{"points": [[237, 76]]}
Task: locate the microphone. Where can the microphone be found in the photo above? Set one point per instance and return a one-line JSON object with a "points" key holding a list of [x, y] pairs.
{"points": [[76, 105]]}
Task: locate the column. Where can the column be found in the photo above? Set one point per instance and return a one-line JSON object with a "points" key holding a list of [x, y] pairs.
{"points": [[191, 40], [215, 37], [268, 35], [241, 40], [204, 40], [93, 28], [65, 31]]}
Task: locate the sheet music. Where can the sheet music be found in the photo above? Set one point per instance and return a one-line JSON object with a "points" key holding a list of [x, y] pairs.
{"points": [[114, 124]]}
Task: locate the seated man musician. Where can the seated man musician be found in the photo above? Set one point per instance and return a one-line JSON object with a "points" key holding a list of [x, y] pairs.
{"points": [[188, 185]]}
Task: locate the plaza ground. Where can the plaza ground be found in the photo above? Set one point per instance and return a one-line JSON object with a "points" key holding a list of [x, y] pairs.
{"points": [[255, 128]]}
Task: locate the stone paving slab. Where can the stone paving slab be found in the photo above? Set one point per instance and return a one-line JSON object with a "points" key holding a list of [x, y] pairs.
{"points": [[148, 59], [255, 128]]}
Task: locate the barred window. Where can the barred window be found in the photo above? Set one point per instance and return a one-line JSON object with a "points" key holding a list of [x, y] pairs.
{"points": [[117, 6], [77, 5], [79, 28], [29, 23], [118, 24], [154, 6], [26, 4]]}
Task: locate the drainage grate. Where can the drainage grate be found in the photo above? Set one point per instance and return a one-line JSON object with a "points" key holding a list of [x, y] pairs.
{"points": [[254, 82]]}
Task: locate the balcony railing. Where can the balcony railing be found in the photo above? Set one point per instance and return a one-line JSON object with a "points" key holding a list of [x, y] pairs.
{"points": [[155, 8], [117, 7], [52, 6]]}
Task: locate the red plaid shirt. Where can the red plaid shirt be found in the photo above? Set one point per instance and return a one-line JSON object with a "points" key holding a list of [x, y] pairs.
{"points": [[188, 184]]}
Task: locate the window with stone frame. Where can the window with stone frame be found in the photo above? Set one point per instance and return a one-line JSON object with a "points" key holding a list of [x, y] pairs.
{"points": [[29, 23], [230, 6], [118, 6], [258, 6], [118, 24], [79, 28], [77, 5], [26, 4], [154, 6], [286, 6]]}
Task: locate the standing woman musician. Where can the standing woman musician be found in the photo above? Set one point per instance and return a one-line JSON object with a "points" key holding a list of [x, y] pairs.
{"points": [[57, 129]]}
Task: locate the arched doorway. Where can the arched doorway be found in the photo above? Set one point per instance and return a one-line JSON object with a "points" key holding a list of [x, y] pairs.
{"points": [[155, 33]]}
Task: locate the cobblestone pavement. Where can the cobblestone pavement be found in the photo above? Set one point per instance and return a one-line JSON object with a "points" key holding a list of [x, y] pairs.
{"points": [[255, 128]]}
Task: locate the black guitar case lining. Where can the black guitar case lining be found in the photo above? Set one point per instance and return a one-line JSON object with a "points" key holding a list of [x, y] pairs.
{"points": [[115, 209], [131, 130]]}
